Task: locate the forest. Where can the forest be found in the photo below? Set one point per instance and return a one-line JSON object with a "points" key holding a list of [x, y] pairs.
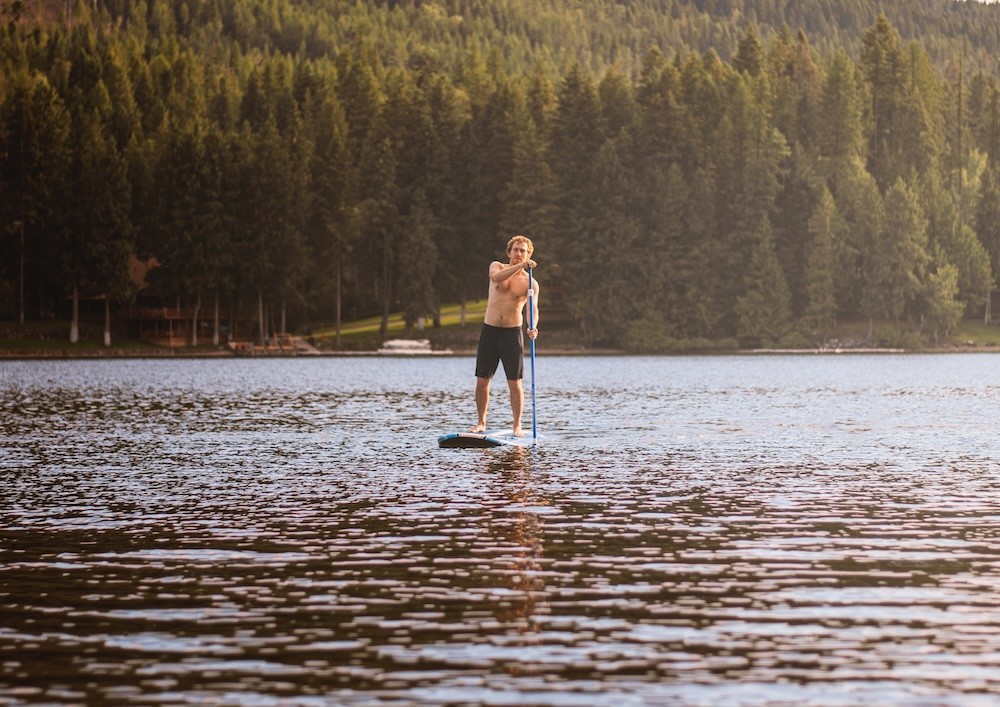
{"points": [[690, 171]]}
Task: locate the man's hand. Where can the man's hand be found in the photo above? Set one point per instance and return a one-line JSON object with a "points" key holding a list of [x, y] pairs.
{"points": [[530, 264], [532, 334]]}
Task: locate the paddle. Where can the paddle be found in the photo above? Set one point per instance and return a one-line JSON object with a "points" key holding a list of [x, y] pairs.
{"points": [[531, 325]]}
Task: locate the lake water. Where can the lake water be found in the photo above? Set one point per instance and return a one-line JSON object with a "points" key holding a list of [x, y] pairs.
{"points": [[692, 530]]}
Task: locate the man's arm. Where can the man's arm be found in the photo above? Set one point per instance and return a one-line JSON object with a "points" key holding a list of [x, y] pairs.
{"points": [[500, 272], [533, 332]]}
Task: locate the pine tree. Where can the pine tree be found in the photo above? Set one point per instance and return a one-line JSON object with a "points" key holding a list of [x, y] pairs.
{"points": [[333, 217], [820, 275], [903, 257], [34, 152], [378, 213], [943, 307], [751, 154], [987, 225], [840, 129], [576, 134], [101, 242], [417, 258], [613, 237], [762, 312], [529, 198], [955, 241]]}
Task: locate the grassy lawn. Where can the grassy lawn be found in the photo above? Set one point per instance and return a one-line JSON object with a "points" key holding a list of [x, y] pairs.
{"points": [[367, 328], [53, 337], [975, 333]]}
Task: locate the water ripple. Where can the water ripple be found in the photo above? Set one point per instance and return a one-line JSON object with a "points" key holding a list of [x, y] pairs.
{"points": [[787, 530]]}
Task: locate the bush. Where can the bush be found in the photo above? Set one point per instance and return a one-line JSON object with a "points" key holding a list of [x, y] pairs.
{"points": [[899, 339], [646, 336]]}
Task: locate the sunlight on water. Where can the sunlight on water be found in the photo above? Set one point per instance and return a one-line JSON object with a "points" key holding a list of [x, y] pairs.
{"points": [[703, 530]]}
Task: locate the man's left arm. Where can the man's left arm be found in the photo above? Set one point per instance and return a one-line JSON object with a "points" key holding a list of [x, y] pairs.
{"points": [[533, 333]]}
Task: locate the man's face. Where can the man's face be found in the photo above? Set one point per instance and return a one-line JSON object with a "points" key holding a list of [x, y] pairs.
{"points": [[518, 252]]}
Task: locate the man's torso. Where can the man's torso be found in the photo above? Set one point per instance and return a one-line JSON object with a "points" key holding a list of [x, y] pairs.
{"points": [[506, 300]]}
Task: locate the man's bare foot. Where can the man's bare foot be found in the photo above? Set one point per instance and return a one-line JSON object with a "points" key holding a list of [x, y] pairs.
{"points": [[479, 427], [518, 432]]}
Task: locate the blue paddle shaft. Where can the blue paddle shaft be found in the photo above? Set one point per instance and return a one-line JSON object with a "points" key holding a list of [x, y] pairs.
{"points": [[531, 342]]}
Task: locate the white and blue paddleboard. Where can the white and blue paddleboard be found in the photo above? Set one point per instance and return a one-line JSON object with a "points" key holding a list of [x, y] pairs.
{"points": [[490, 438]]}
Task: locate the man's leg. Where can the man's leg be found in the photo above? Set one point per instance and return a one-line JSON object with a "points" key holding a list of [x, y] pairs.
{"points": [[482, 403], [516, 403]]}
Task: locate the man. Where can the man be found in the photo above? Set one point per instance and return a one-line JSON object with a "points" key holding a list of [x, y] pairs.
{"points": [[500, 338]]}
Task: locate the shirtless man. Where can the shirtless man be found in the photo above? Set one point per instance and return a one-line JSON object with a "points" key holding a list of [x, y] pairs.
{"points": [[501, 339]]}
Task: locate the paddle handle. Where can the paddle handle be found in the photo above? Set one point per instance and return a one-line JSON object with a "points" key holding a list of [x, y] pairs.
{"points": [[531, 346]]}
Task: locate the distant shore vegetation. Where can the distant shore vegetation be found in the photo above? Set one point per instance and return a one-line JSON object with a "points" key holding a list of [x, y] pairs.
{"points": [[693, 173]]}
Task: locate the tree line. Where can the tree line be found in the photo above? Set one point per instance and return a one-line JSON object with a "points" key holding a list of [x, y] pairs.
{"points": [[683, 199]]}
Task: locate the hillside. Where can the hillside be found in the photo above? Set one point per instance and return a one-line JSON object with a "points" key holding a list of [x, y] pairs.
{"points": [[690, 171], [553, 34]]}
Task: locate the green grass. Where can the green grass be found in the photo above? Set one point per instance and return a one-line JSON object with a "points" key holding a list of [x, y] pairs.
{"points": [[976, 333], [53, 337], [364, 328]]}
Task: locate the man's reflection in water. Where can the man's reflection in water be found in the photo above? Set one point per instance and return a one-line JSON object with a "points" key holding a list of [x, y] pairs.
{"points": [[517, 529]]}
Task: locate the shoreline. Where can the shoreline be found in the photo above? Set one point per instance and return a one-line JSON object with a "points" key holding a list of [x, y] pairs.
{"points": [[124, 353]]}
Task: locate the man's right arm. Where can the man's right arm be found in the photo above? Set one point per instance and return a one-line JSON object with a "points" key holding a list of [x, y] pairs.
{"points": [[500, 272]]}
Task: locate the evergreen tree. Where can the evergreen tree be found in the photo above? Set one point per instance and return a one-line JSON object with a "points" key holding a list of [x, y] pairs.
{"points": [[34, 151], [333, 226], [378, 213], [955, 243], [576, 133], [987, 225], [698, 282], [840, 130], [762, 312], [614, 238], [943, 307], [895, 113], [97, 256], [750, 54], [750, 158], [417, 262], [861, 205], [903, 258], [821, 267], [530, 198], [484, 167]]}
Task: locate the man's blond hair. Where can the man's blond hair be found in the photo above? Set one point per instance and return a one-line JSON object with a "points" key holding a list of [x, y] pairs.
{"points": [[521, 239]]}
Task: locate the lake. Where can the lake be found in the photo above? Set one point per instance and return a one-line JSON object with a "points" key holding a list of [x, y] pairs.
{"points": [[819, 529]]}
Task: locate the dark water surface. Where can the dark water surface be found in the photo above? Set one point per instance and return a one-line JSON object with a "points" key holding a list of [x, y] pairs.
{"points": [[719, 530]]}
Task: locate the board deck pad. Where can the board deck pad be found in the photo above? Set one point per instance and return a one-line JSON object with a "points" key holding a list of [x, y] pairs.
{"points": [[490, 438]]}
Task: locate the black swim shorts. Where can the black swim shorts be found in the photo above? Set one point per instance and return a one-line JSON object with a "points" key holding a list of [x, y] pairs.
{"points": [[498, 344]]}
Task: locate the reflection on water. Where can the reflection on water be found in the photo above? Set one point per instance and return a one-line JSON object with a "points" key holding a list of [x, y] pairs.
{"points": [[694, 530]]}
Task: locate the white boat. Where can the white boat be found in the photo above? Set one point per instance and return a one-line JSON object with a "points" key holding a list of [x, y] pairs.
{"points": [[410, 347]]}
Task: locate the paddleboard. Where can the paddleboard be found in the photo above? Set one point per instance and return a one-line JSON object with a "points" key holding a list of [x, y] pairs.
{"points": [[490, 438]]}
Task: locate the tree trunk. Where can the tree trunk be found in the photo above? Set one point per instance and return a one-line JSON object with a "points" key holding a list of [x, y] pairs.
{"points": [[21, 314], [107, 321], [215, 326], [74, 322], [260, 317], [338, 300], [989, 306], [194, 319], [235, 303], [386, 287]]}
